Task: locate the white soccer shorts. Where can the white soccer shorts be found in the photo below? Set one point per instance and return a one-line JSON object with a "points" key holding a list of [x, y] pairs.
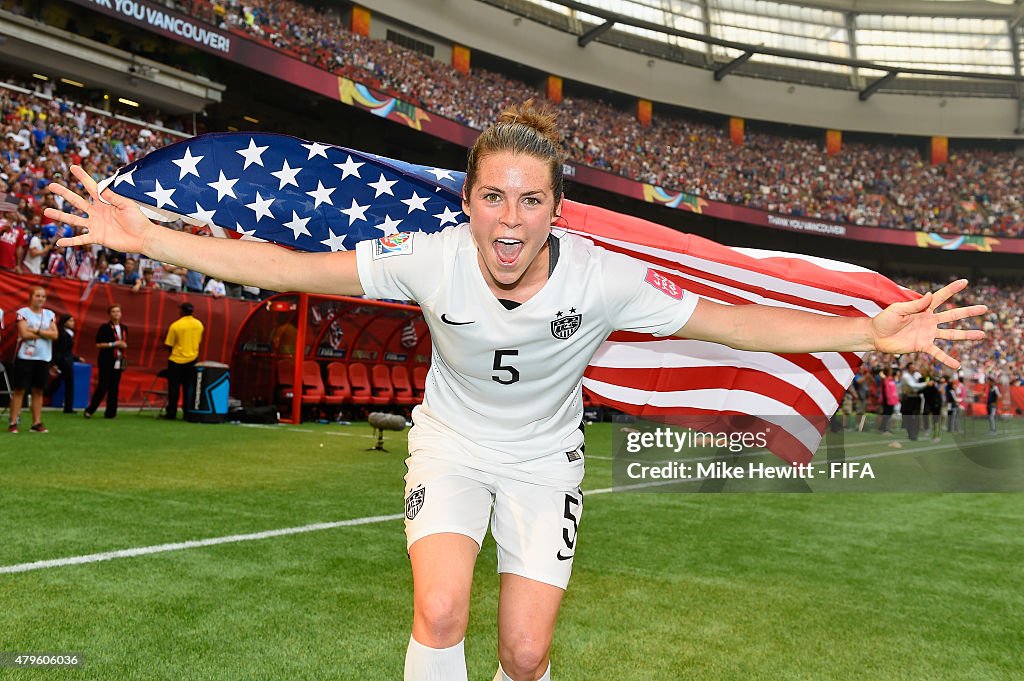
{"points": [[534, 509]]}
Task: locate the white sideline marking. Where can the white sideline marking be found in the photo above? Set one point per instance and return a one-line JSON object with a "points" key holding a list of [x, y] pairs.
{"points": [[180, 546], [369, 520]]}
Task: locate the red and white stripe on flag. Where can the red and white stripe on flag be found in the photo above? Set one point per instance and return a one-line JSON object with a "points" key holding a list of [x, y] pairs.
{"points": [[696, 383]]}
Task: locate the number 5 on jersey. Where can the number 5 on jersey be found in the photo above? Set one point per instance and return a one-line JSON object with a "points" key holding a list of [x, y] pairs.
{"points": [[508, 373]]}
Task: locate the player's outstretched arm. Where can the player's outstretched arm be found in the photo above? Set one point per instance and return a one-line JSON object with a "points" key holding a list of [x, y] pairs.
{"points": [[119, 224], [912, 326]]}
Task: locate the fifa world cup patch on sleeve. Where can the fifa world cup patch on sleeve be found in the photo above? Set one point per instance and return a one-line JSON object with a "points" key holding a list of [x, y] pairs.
{"points": [[394, 244], [663, 284]]}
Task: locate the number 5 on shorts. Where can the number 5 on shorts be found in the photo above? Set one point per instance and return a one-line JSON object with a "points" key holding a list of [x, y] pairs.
{"points": [[571, 503]]}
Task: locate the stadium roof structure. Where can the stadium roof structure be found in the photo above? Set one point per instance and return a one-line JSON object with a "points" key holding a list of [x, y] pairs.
{"points": [[942, 47]]}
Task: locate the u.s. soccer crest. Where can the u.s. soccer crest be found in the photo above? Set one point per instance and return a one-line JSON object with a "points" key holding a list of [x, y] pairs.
{"points": [[414, 502], [565, 325]]}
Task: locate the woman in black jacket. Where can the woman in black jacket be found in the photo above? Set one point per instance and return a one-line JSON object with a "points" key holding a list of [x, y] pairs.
{"points": [[111, 342], [64, 359]]}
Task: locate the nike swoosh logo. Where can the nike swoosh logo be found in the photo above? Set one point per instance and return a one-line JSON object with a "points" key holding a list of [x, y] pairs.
{"points": [[561, 557], [444, 318]]}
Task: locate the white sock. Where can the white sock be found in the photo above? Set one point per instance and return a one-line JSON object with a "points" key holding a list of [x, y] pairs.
{"points": [[502, 676], [435, 664]]}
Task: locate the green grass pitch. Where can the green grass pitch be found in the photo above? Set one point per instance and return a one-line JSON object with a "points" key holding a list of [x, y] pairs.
{"points": [[666, 586]]}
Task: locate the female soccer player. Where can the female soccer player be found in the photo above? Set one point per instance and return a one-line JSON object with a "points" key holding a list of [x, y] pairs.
{"points": [[515, 313]]}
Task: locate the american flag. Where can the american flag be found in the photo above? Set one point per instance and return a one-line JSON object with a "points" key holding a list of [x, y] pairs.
{"points": [[409, 336], [320, 197], [8, 202]]}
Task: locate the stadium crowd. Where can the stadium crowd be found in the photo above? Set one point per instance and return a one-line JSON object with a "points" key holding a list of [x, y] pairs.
{"points": [[40, 137], [976, 192]]}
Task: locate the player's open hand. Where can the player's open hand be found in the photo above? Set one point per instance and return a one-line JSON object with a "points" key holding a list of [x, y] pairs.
{"points": [[114, 221], [914, 326]]}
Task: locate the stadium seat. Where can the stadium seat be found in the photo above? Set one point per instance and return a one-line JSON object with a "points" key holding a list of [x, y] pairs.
{"points": [[419, 381], [337, 389], [285, 379], [359, 383], [403, 388], [312, 383], [383, 390]]}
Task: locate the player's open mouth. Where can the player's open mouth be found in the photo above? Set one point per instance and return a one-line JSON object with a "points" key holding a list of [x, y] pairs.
{"points": [[507, 251]]}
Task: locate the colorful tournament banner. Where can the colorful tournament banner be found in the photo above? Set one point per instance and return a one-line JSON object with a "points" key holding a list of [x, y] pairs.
{"points": [[643, 111], [833, 142], [555, 89], [460, 58], [940, 150], [736, 126], [360, 21]]}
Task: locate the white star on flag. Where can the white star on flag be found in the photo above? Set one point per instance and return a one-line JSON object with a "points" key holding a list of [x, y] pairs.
{"points": [[322, 194], [416, 202], [349, 167], [187, 164], [297, 225], [248, 235], [286, 175], [125, 177], [441, 174], [252, 154], [162, 196], [261, 206], [355, 212], [382, 186], [202, 215], [316, 149], [389, 226], [448, 215], [334, 242], [224, 187]]}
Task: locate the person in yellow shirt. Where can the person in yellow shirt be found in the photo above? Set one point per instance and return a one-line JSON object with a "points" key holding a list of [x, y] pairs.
{"points": [[183, 339]]}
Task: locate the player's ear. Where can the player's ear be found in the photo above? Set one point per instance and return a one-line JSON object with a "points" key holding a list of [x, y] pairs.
{"points": [[556, 212], [465, 202]]}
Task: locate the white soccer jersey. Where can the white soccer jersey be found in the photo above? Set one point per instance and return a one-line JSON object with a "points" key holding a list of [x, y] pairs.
{"points": [[509, 380]]}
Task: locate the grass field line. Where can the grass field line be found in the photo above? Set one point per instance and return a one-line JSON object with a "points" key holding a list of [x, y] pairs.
{"points": [[368, 520], [198, 543], [304, 430]]}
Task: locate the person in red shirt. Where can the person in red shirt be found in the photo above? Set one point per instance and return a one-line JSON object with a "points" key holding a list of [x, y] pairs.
{"points": [[13, 240]]}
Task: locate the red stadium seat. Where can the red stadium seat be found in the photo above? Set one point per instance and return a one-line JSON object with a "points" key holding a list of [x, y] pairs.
{"points": [[383, 391], [337, 389], [285, 379], [419, 381], [359, 382], [312, 383], [403, 388]]}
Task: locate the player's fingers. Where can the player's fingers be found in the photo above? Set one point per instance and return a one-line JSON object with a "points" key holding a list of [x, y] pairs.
{"points": [[960, 313], [86, 179], [960, 334], [80, 240], [67, 218], [947, 292], [912, 306], [116, 199], [938, 354], [70, 196]]}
